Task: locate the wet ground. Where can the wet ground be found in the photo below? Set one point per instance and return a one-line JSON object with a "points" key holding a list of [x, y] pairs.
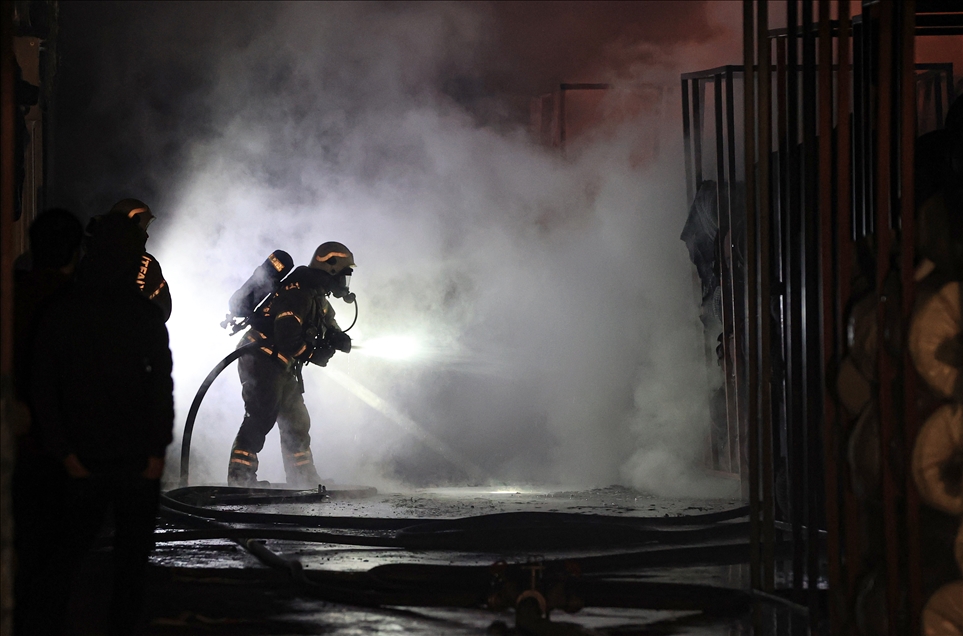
{"points": [[215, 586]]}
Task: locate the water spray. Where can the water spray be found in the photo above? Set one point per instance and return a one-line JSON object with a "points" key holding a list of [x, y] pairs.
{"points": [[407, 424], [395, 348], [398, 348]]}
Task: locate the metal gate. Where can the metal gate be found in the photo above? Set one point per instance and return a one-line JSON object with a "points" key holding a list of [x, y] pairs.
{"points": [[809, 150]]}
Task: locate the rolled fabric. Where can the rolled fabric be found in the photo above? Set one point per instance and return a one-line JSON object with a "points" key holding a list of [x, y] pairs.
{"points": [[852, 387], [936, 341], [943, 613], [863, 454], [938, 460], [958, 548], [861, 335], [870, 605]]}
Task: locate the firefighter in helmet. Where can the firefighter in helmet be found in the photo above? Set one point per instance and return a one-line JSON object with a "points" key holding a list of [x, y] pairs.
{"points": [[295, 325], [150, 278]]}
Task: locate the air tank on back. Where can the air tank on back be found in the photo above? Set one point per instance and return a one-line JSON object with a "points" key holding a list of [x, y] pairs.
{"points": [[262, 282]]}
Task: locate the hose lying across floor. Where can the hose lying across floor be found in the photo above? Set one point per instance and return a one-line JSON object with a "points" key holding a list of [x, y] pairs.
{"points": [[602, 580]]}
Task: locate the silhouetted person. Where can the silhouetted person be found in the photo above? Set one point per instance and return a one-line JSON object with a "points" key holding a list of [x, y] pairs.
{"points": [[149, 277], [103, 395], [55, 239], [38, 479]]}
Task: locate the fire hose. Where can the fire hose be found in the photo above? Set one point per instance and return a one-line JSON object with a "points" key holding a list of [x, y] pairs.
{"points": [[566, 583], [196, 405], [209, 380]]}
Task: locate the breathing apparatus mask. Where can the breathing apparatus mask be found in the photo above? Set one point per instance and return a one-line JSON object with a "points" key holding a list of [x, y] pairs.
{"points": [[340, 286], [336, 261]]}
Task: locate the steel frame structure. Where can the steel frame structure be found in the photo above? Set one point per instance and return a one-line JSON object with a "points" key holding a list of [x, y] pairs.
{"points": [[830, 113]]}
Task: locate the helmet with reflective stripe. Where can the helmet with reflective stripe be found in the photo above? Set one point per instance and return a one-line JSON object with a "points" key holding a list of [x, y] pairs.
{"points": [[134, 209], [332, 257]]}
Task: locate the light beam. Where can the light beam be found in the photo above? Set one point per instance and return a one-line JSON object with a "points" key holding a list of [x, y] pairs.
{"points": [[475, 473], [393, 348]]}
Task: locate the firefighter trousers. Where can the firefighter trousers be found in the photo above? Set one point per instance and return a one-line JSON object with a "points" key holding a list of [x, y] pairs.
{"points": [[271, 395]]}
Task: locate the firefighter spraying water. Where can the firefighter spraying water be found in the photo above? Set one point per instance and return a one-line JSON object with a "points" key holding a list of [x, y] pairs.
{"points": [[289, 323]]}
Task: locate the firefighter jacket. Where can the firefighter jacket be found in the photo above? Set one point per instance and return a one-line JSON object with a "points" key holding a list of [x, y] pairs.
{"points": [[101, 376], [150, 279], [33, 290], [151, 283], [295, 320]]}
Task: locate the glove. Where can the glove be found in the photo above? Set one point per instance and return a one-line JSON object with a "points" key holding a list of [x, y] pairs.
{"points": [[321, 355], [340, 341]]}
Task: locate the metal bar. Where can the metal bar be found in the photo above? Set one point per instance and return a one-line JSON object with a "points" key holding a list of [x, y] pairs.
{"points": [[738, 68], [557, 118], [561, 117], [937, 100], [781, 218], [687, 142], [809, 322], [927, 90], [695, 165], [827, 286], [697, 102], [727, 278], [795, 425], [584, 86], [844, 264], [948, 17], [947, 23], [8, 424], [886, 370], [749, 123], [736, 433], [944, 31], [762, 312], [870, 152], [868, 127], [8, 108], [711, 72], [859, 123], [907, 214], [782, 153]]}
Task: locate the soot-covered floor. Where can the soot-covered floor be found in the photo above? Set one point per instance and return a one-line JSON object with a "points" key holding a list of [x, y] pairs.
{"points": [[216, 586]]}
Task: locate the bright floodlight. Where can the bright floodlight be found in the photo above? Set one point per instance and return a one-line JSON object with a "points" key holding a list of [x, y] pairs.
{"points": [[392, 347]]}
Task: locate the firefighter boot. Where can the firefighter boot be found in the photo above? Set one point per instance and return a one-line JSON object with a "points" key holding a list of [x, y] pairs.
{"points": [[300, 471], [242, 471]]}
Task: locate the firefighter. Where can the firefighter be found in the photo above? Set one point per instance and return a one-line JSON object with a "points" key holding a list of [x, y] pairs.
{"points": [[294, 326], [150, 278], [102, 395]]}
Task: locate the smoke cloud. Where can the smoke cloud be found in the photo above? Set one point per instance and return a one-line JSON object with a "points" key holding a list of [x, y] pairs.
{"points": [[551, 301]]}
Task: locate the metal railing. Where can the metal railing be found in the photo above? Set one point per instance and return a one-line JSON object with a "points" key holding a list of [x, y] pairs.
{"points": [[812, 163]]}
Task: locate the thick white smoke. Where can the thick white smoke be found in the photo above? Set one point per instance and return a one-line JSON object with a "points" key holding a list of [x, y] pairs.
{"points": [[550, 294]]}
